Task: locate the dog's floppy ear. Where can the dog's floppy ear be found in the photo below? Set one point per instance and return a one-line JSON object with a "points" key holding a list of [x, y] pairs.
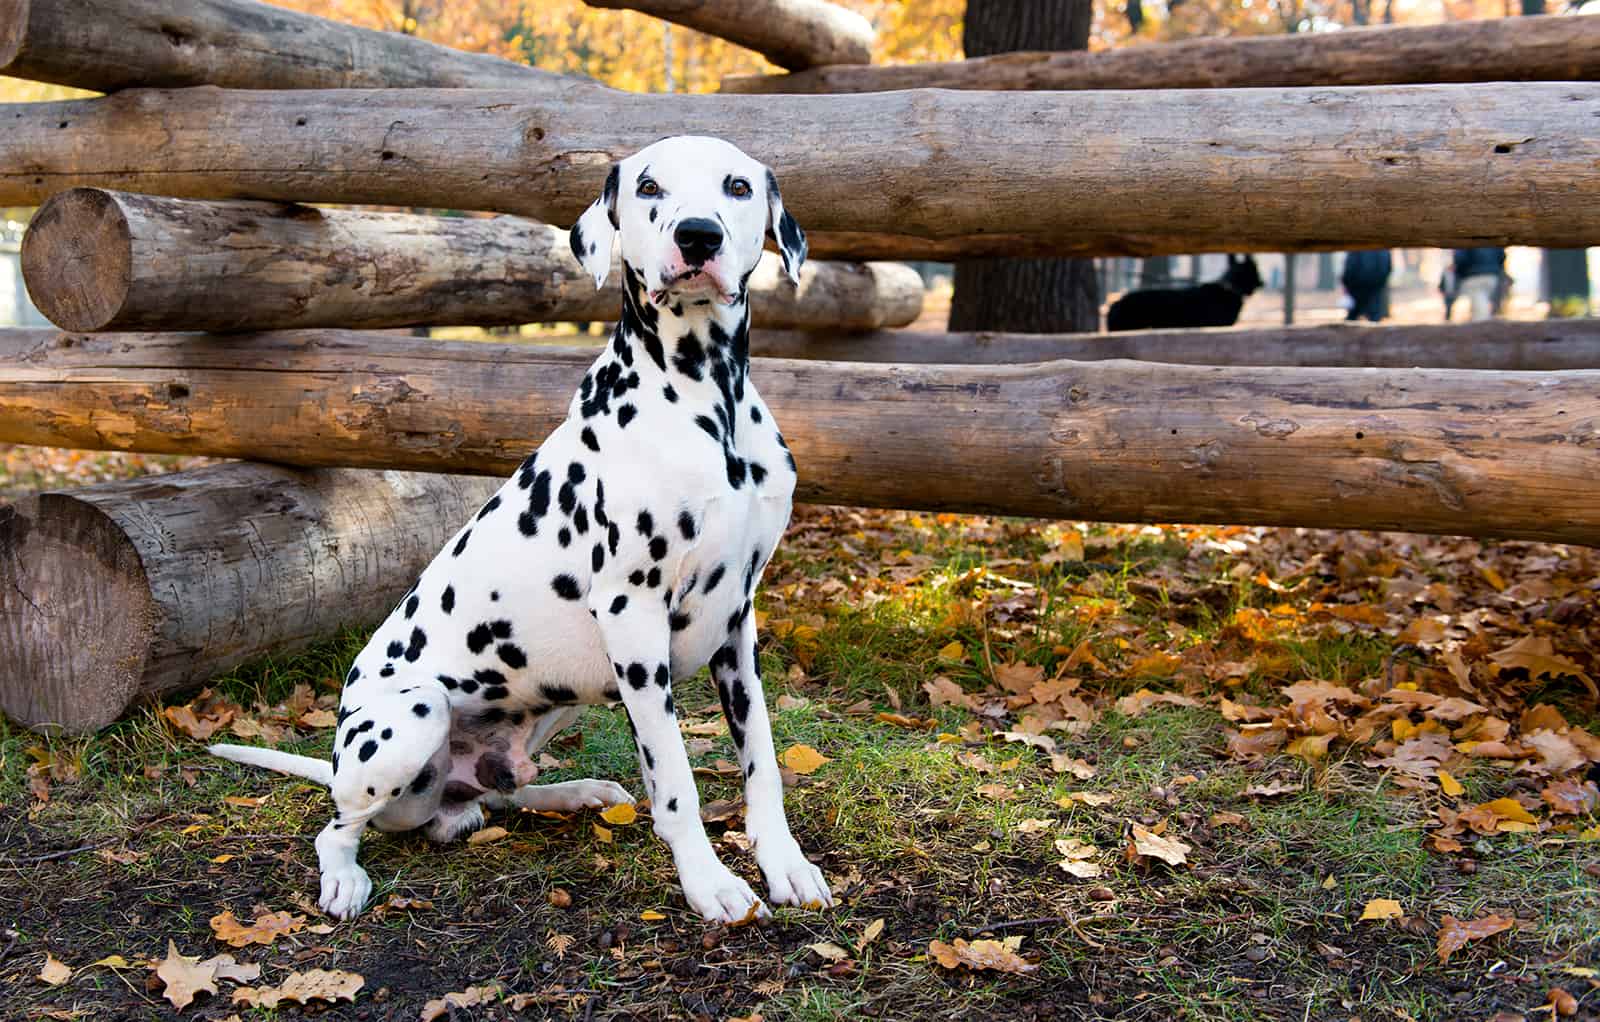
{"points": [[595, 232], [781, 227]]}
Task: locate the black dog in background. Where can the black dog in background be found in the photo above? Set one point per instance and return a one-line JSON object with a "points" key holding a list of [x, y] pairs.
{"points": [[1216, 303]]}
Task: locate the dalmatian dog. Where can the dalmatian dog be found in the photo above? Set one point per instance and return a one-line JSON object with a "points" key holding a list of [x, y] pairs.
{"points": [[623, 553]]}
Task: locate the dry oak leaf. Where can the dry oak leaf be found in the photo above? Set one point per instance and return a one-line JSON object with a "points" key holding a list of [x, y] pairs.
{"points": [[803, 759], [1571, 798], [486, 835], [1143, 842], [909, 723], [944, 692], [1140, 701], [1499, 816], [1382, 908], [318, 718], [183, 718], [302, 988], [998, 955], [185, 976], [1088, 798], [1557, 753], [264, 929], [1018, 679], [1454, 934], [471, 997], [54, 972], [1536, 655], [620, 815], [1061, 763], [828, 951]]}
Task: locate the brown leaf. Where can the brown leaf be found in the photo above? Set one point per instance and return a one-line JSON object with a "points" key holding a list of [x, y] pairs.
{"points": [[1454, 934], [1017, 678], [944, 692], [264, 929], [486, 835], [54, 972], [183, 718], [185, 976], [1000, 956], [899, 720], [1255, 741], [1146, 843], [997, 792], [318, 718], [1557, 754], [1536, 655], [304, 987], [1140, 701], [1571, 798]]}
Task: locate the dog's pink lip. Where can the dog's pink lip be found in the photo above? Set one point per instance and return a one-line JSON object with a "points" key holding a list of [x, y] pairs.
{"points": [[694, 275]]}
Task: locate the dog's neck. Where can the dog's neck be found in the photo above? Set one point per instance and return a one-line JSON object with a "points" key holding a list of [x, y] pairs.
{"points": [[700, 346]]}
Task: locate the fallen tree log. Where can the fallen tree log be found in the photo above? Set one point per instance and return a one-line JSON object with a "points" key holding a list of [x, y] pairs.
{"points": [[793, 34], [1503, 49], [136, 588], [1428, 450], [1086, 171], [103, 260], [107, 45], [1544, 345]]}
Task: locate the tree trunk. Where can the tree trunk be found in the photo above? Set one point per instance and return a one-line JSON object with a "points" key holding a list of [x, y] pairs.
{"points": [[1568, 272], [106, 45], [1509, 49], [1427, 450], [1026, 295], [1126, 172], [793, 34], [103, 260], [1492, 344], [133, 589]]}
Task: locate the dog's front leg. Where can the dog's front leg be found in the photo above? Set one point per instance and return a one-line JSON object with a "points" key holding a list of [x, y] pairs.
{"points": [[637, 640], [345, 885], [791, 878]]}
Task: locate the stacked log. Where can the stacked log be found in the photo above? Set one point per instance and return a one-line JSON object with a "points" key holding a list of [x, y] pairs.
{"points": [[107, 45], [793, 34], [1083, 172], [103, 260], [131, 590], [1429, 450], [1499, 50]]}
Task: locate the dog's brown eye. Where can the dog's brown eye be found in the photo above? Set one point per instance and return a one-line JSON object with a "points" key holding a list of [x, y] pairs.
{"points": [[649, 189], [739, 188]]}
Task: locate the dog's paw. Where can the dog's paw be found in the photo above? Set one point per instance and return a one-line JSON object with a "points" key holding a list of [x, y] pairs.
{"points": [[345, 891], [569, 796], [721, 897], [792, 879]]}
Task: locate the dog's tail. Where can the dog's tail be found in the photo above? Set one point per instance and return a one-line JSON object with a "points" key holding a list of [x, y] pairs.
{"points": [[319, 770]]}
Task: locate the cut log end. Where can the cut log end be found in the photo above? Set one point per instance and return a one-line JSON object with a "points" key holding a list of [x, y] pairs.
{"points": [[77, 258], [76, 615]]}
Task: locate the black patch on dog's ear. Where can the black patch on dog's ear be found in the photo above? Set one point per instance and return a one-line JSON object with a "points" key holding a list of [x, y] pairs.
{"points": [[609, 192]]}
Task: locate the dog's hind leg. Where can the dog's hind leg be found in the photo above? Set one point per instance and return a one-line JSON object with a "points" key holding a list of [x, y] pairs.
{"points": [[791, 878]]}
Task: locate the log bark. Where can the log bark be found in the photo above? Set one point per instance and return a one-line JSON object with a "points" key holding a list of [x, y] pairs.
{"points": [[793, 34], [1510, 455], [103, 260], [133, 589], [1495, 344], [1437, 165], [1503, 49], [107, 45]]}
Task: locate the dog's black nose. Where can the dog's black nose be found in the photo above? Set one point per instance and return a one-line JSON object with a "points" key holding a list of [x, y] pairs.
{"points": [[698, 239]]}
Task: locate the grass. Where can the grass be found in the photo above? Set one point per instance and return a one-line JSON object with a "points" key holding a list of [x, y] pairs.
{"points": [[1261, 923]]}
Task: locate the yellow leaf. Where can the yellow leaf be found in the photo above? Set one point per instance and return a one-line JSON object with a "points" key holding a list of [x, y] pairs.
{"points": [[264, 929], [953, 651], [1382, 908], [1509, 809], [113, 962], [1449, 785], [803, 759], [650, 915], [486, 835], [193, 828], [224, 857], [54, 972], [870, 934], [602, 834], [620, 814], [1000, 956]]}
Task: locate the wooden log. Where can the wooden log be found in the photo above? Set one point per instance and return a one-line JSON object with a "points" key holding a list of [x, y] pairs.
{"points": [[102, 260], [793, 34], [107, 45], [1549, 344], [1217, 170], [1503, 49], [1510, 455], [136, 588]]}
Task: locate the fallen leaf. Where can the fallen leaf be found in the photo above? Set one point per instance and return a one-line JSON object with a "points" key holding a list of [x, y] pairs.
{"points": [[909, 723], [803, 759], [304, 987], [185, 976], [1449, 785], [1151, 845], [1088, 798], [828, 951], [1017, 678], [1496, 816], [601, 834], [1080, 869], [264, 929], [1061, 763], [1382, 908], [472, 997], [1033, 826], [1536, 655], [1272, 789], [620, 815], [870, 934], [1454, 934], [113, 962], [245, 801], [319, 718], [54, 972], [1140, 701], [997, 792], [486, 835], [953, 651], [650, 915], [1000, 956], [1226, 819], [789, 702], [1561, 1002], [944, 692], [1571, 798]]}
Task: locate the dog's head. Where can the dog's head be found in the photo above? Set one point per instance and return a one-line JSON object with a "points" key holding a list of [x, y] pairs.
{"points": [[1242, 275], [691, 213]]}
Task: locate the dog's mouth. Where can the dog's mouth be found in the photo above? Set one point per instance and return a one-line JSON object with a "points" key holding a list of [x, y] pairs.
{"points": [[695, 281]]}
